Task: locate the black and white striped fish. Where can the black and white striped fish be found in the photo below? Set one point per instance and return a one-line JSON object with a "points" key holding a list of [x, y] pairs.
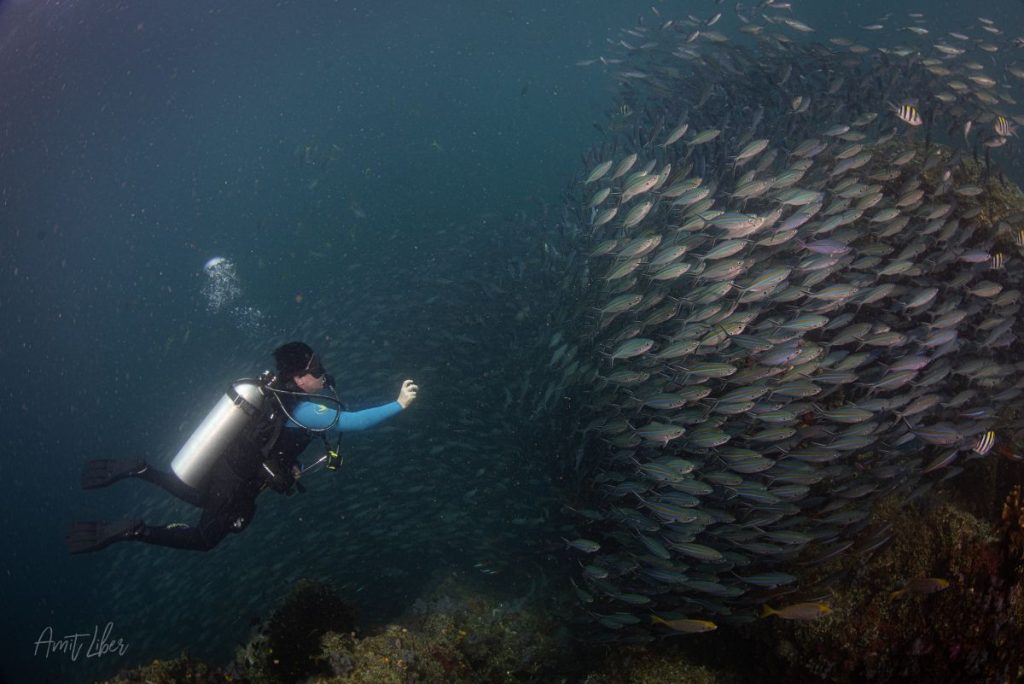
{"points": [[908, 113], [985, 443], [1003, 127]]}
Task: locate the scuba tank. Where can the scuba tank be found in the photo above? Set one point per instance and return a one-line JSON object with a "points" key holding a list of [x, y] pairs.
{"points": [[242, 401]]}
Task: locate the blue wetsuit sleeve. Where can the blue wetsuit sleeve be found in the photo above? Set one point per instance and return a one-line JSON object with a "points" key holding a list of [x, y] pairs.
{"points": [[319, 417]]}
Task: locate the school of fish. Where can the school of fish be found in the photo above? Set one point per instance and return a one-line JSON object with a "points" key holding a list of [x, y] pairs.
{"points": [[798, 293]]}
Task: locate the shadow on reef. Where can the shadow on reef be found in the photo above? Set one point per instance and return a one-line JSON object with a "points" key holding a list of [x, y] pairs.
{"points": [[291, 647]]}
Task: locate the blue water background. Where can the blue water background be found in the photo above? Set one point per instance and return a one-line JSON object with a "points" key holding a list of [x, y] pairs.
{"points": [[321, 147]]}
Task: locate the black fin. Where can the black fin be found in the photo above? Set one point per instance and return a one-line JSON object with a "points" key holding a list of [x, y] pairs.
{"points": [[85, 537]]}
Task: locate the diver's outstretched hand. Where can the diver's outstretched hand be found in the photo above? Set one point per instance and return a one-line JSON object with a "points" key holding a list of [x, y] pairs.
{"points": [[407, 395]]}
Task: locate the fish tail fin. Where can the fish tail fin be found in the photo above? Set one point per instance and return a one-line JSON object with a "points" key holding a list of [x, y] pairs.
{"points": [[767, 610]]}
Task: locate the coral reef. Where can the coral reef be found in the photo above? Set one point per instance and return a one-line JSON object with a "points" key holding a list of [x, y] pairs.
{"points": [[662, 663], [460, 632], [183, 669], [970, 631], [1011, 530]]}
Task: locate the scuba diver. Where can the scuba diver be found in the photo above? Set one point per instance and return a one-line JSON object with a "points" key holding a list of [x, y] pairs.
{"points": [[249, 442]]}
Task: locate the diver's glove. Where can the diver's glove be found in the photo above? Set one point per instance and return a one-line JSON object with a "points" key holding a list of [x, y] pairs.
{"points": [[407, 394]]}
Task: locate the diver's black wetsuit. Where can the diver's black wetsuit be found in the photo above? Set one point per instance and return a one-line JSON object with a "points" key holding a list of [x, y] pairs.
{"points": [[228, 497], [262, 457]]}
